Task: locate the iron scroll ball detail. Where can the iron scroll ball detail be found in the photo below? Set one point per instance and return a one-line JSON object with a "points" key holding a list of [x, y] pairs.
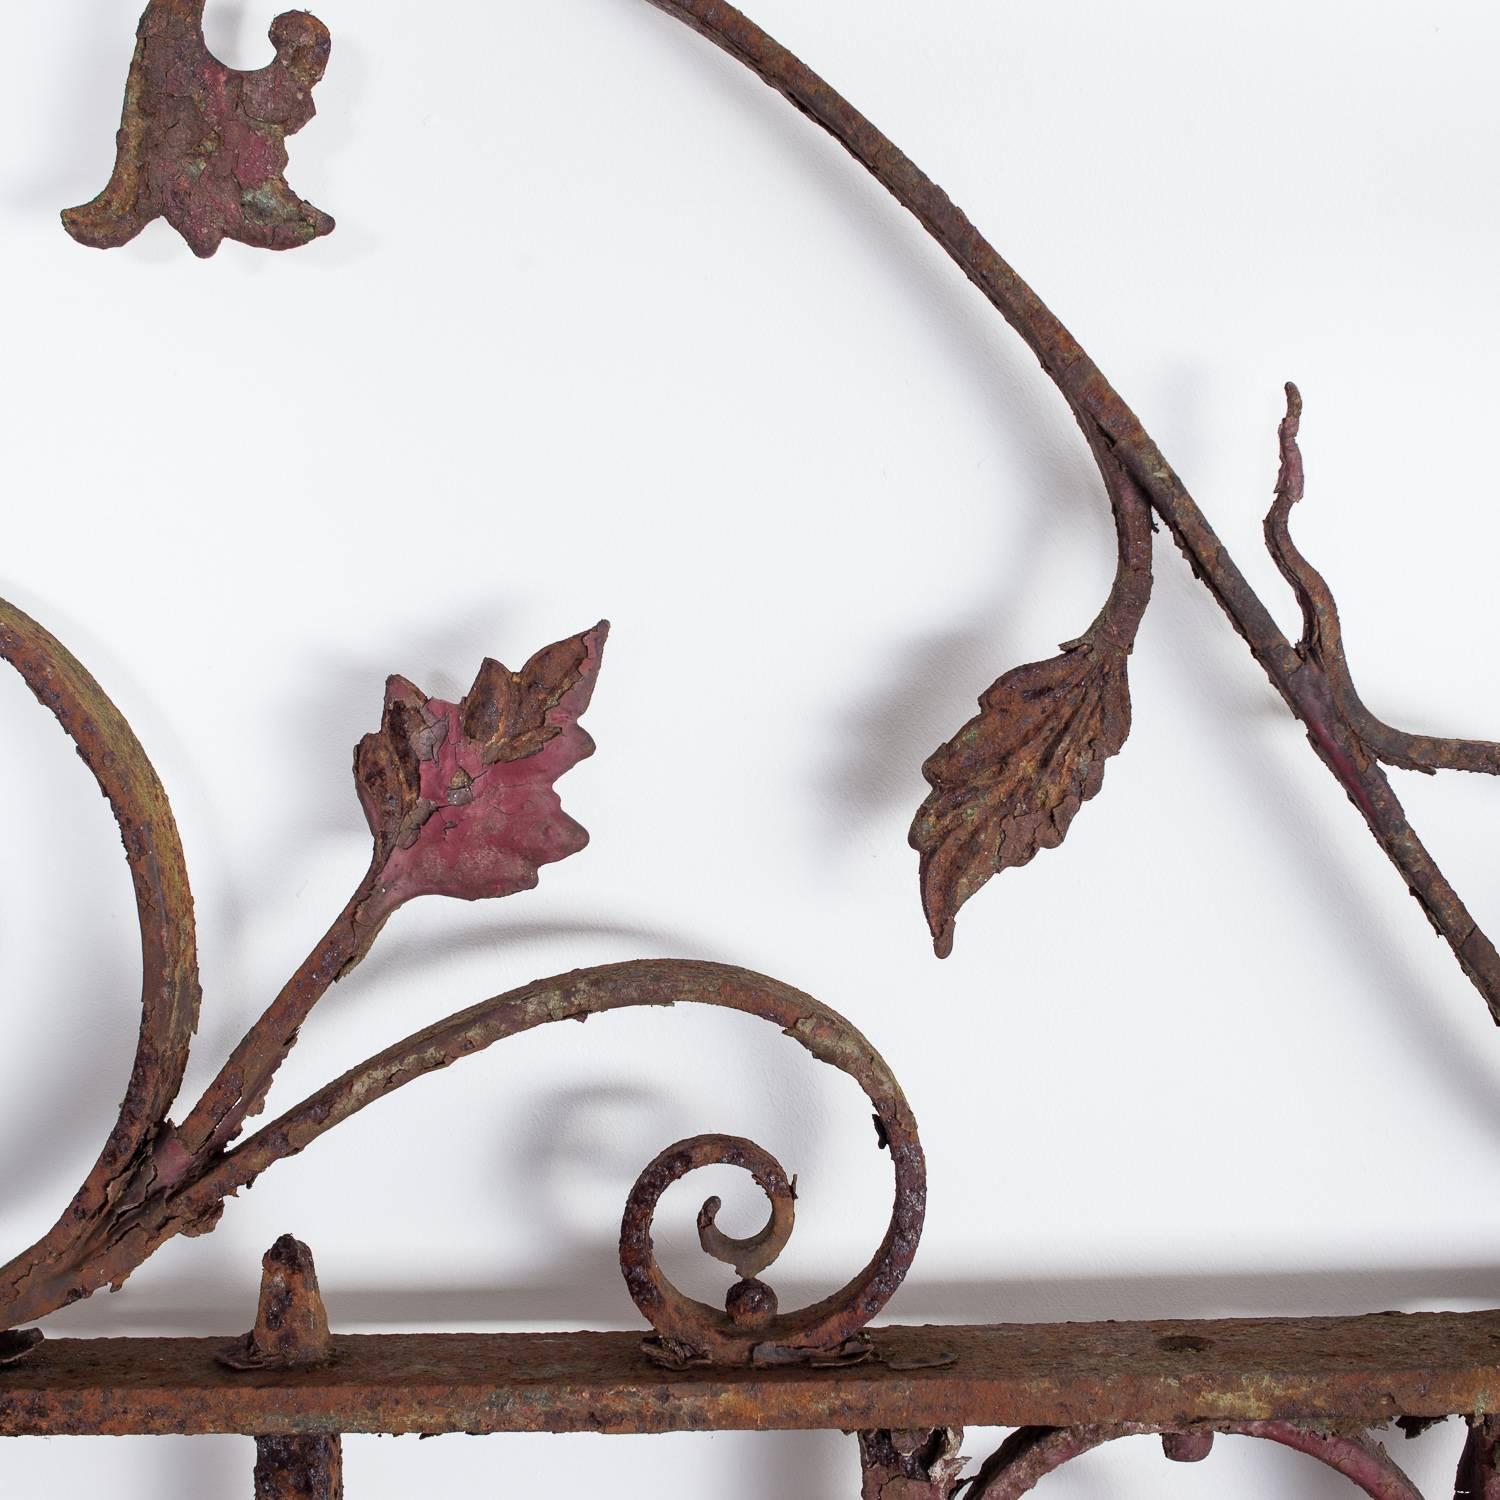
{"points": [[1006, 787], [460, 802]]}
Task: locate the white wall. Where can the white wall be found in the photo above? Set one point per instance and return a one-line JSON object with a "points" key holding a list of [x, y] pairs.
{"points": [[606, 328]]}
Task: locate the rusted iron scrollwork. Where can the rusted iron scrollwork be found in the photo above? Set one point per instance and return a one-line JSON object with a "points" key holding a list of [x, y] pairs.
{"points": [[1031, 1453], [204, 146], [1010, 782], [460, 802], [751, 1329]]}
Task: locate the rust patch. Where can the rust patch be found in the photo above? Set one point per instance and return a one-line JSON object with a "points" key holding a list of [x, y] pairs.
{"points": [[1010, 783], [291, 1325], [1031, 1453], [40, 1279], [910, 1465], [1478, 1475], [967, 780], [484, 768], [299, 1468], [203, 145], [1335, 1375]]}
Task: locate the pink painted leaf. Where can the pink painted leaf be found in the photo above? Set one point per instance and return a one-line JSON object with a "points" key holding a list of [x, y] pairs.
{"points": [[459, 796]]}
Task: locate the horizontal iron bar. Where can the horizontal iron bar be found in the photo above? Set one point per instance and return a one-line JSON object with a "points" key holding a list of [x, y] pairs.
{"points": [[1360, 1370]]}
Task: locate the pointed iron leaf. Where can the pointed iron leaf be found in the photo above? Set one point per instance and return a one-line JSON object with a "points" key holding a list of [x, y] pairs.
{"points": [[1013, 778]]}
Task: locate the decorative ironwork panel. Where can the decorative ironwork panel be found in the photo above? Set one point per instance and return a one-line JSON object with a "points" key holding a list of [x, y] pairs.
{"points": [[461, 801]]}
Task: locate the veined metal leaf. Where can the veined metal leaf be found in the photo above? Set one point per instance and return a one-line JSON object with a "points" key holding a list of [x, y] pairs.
{"points": [[1013, 778]]}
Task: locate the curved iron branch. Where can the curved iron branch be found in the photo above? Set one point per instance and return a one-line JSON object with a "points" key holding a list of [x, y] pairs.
{"points": [[1031, 1453], [1323, 635], [690, 1330], [1107, 419], [170, 991], [460, 802]]}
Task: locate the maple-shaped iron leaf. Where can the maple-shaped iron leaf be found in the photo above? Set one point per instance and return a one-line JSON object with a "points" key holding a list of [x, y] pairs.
{"points": [[1013, 778], [459, 796]]}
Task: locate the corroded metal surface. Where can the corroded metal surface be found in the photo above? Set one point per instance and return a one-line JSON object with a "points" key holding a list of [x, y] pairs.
{"points": [[1478, 1476], [1010, 782], [290, 1333], [299, 1468], [688, 1331], [1322, 642], [751, 1329], [700, 1330], [1031, 1453], [291, 1324], [41, 1278], [910, 1465], [968, 829], [459, 796], [1347, 1372], [1189, 1447], [203, 145], [460, 802]]}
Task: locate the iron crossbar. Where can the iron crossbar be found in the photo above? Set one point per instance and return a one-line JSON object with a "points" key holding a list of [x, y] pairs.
{"points": [[1352, 1372]]}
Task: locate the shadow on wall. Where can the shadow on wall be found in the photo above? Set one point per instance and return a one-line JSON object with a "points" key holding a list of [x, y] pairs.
{"points": [[584, 1291]]}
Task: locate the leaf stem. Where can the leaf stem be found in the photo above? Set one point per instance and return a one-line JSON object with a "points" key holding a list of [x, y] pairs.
{"points": [[1100, 410], [239, 1091]]}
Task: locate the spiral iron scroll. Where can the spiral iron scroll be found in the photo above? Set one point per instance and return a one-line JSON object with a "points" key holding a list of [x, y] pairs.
{"points": [[157, 1180], [751, 1329]]}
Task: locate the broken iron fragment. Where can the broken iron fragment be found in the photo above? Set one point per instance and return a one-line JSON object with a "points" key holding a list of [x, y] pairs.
{"points": [[203, 145], [291, 1323]]}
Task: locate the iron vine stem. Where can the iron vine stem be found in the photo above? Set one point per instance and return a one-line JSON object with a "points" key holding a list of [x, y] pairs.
{"points": [[1099, 409]]}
